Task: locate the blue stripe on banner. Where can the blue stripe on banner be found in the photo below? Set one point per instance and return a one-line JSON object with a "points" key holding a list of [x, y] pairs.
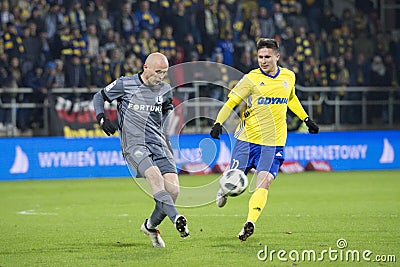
{"points": [[59, 157]]}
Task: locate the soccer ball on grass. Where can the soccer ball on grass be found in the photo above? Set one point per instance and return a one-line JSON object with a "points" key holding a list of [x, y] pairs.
{"points": [[233, 182]]}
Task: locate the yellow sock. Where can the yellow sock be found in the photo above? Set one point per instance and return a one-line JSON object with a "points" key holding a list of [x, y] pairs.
{"points": [[257, 203]]}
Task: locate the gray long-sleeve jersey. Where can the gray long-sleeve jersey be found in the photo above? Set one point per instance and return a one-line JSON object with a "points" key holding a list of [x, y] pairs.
{"points": [[140, 110]]}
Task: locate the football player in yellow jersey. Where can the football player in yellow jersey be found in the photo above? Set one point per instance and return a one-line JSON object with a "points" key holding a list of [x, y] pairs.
{"points": [[268, 92]]}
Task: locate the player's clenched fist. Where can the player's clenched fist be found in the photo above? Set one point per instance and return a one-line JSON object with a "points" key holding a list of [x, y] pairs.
{"points": [[312, 126], [106, 124], [216, 130]]}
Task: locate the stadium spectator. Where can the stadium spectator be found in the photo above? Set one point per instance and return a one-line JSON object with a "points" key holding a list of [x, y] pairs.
{"points": [[224, 22], [131, 46], [33, 118], [126, 23], [379, 77], [157, 34], [93, 41], [245, 63], [347, 18], [144, 140], [189, 47], [343, 79], [100, 72], [116, 61], [113, 8], [91, 13], [33, 47], [261, 140], [382, 43], [75, 74], [360, 22], [297, 19], [147, 44], [363, 44], [226, 47], [323, 46], [310, 74], [279, 19], [267, 26], [392, 71], [220, 79], [53, 21], [15, 81], [59, 75], [329, 21], [36, 18], [303, 48], [128, 66], [49, 79], [5, 81], [313, 12], [207, 23], [252, 26], [78, 42], [147, 20], [181, 23], [12, 41], [167, 44], [61, 43], [246, 7], [288, 7], [86, 65], [289, 44], [107, 42], [103, 22], [5, 15], [352, 113], [77, 16], [45, 53], [244, 44]]}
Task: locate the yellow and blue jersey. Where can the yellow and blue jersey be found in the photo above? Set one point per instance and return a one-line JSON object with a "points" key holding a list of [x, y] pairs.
{"points": [[267, 98]]}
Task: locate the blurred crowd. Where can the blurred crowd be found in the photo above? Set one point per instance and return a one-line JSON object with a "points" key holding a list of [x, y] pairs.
{"points": [[48, 44]]}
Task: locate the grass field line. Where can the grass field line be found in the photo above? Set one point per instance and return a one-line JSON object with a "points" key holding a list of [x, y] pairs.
{"points": [[33, 212]]}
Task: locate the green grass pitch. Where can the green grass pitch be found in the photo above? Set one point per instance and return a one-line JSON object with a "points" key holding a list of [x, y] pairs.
{"points": [[96, 222]]}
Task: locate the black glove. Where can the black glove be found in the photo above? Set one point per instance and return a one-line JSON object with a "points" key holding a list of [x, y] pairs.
{"points": [[106, 124], [216, 130], [312, 126]]}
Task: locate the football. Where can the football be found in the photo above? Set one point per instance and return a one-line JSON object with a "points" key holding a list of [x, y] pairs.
{"points": [[233, 182]]}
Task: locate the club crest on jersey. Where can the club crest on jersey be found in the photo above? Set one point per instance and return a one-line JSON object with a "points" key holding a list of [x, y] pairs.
{"points": [[285, 84], [159, 100], [262, 84]]}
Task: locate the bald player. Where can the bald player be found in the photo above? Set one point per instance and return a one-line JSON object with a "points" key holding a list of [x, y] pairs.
{"points": [[144, 102], [261, 135]]}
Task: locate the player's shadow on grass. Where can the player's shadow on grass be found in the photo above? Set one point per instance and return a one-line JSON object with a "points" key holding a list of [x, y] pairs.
{"points": [[122, 244]]}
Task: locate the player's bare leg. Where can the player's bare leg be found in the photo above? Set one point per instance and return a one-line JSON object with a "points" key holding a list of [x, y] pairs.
{"points": [[171, 184]]}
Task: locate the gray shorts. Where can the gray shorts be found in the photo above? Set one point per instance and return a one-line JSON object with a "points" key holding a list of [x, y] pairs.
{"points": [[142, 157]]}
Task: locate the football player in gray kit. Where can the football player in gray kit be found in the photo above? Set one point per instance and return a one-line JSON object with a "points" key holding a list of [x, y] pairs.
{"points": [[144, 102]]}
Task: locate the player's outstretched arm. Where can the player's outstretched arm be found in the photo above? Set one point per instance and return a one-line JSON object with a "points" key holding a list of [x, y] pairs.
{"points": [[312, 126]]}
